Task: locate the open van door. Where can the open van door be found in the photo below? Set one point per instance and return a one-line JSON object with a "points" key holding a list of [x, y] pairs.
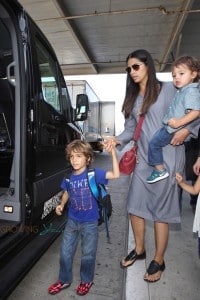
{"points": [[36, 123]]}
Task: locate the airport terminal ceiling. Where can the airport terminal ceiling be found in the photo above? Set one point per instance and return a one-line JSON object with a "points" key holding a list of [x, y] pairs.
{"points": [[95, 36]]}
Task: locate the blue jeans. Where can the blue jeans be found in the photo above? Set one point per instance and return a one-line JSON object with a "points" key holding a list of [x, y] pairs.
{"points": [[88, 232], [159, 140]]}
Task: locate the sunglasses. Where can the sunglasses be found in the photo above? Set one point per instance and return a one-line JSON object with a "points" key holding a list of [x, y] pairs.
{"points": [[135, 67]]}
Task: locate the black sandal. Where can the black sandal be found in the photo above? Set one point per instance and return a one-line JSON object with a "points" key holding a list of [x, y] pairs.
{"points": [[132, 257], [153, 268]]}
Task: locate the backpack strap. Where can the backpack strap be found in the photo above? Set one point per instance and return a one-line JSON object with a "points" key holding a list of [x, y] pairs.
{"points": [[94, 187], [92, 183], [95, 192]]}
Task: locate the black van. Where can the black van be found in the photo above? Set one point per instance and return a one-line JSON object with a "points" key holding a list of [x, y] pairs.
{"points": [[36, 122]]}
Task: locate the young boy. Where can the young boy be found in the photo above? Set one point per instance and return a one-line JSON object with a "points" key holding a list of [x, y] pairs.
{"points": [[82, 216], [184, 109]]}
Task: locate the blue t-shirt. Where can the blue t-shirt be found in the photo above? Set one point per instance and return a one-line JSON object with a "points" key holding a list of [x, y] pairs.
{"points": [[186, 98], [82, 205]]}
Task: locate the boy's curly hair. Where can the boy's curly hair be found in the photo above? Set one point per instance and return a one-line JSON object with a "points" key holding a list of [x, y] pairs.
{"points": [[191, 62], [81, 147]]}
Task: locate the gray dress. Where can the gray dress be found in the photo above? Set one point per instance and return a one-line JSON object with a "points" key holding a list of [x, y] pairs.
{"points": [[158, 201]]}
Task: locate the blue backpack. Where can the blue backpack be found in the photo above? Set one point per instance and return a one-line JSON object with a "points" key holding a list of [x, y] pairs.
{"points": [[103, 199]]}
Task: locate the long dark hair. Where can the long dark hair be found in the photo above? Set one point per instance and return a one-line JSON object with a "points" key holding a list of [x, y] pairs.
{"points": [[132, 89]]}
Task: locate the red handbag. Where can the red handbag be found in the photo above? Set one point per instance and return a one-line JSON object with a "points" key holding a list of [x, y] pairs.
{"points": [[129, 159]]}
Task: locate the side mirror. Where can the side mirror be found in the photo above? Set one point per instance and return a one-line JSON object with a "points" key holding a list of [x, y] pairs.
{"points": [[82, 107]]}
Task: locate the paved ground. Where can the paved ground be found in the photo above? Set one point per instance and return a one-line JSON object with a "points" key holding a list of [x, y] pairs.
{"points": [[109, 277], [180, 280]]}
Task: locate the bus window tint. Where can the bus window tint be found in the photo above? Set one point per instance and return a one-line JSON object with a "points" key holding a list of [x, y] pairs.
{"points": [[48, 77]]}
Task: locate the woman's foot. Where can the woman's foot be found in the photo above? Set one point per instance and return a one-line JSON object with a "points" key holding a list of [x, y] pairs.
{"points": [[131, 258], [154, 271]]}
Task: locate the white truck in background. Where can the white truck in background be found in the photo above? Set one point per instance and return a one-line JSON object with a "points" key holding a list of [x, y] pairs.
{"points": [[101, 115], [107, 113]]}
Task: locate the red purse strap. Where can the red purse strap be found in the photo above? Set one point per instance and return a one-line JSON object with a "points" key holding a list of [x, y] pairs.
{"points": [[138, 128]]}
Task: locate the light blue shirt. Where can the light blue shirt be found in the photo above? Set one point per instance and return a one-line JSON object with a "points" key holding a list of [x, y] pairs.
{"points": [[186, 98]]}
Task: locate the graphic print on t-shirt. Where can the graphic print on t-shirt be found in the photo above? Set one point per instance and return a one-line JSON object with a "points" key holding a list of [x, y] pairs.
{"points": [[80, 195]]}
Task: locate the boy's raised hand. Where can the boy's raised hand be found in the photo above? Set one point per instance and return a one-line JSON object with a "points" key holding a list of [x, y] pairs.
{"points": [[109, 144]]}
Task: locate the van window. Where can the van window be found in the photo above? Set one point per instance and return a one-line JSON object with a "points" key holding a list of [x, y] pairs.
{"points": [[48, 77]]}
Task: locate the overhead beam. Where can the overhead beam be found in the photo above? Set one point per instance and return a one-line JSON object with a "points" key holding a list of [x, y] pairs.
{"points": [[181, 17], [75, 33], [160, 8]]}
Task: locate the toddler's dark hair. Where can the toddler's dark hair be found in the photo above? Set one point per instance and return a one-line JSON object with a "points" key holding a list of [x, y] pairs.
{"points": [[191, 62]]}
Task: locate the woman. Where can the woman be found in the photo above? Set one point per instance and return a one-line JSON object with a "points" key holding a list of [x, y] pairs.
{"points": [[160, 203]]}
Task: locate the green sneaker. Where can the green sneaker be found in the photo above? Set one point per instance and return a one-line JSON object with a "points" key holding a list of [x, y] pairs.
{"points": [[157, 176]]}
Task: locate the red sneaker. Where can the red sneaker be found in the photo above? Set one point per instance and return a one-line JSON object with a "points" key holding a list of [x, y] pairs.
{"points": [[57, 287], [83, 288]]}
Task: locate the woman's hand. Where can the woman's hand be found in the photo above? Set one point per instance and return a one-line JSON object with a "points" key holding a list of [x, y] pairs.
{"points": [[179, 137], [109, 143]]}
